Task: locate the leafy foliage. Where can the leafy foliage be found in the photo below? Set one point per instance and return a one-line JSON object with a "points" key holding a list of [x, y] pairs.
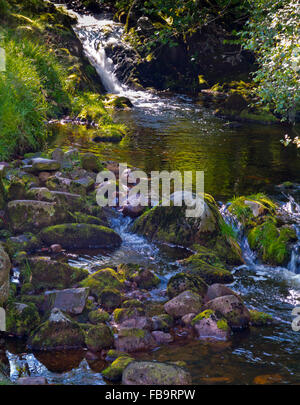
{"points": [[272, 33]]}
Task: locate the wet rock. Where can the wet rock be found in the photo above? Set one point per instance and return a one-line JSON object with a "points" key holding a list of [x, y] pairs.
{"points": [[134, 340], [99, 337], [46, 274], [181, 282], [139, 322], [188, 318], [110, 298], [71, 300], [58, 333], [115, 370], [218, 290], [162, 322], [67, 200], [162, 337], [5, 267], [25, 242], [21, 318], [258, 318], [208, 325], [268, 379], [101, 279], [45, 165], [183, 304], [32, 381], [26, 215], [256, 207], [91, 162], [155, 373], [233, 310], [81, 236]]}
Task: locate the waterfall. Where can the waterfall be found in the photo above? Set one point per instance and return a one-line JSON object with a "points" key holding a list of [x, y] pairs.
{"points": [[293, 208]]}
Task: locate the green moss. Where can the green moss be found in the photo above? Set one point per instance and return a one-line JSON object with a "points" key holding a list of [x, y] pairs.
{"points": [[99, 337], [132, 304], [272, 243], [181, 282], [22, 322], [260, 318], [98, 316], [115, 370], [122, 314], [105, 278], [203, 315], [222, 324], [132, 332], [144, 278], [110, 298]]}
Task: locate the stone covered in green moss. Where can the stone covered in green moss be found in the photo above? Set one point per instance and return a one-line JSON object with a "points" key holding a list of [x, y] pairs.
{"points": [[134, 340], [123, 314], [49, 274], [115, 370], [132, 303], [21, 318], [209, 325], [162, 322], [155, 373], [181, 282], [258, 318], [101, 279], [273, 244], [91, 162], [98, 316], [26, 243], [71, 236], [16, 190], [99, 337], [26, 215], [144, 278], [110, 298], [58, 333]]}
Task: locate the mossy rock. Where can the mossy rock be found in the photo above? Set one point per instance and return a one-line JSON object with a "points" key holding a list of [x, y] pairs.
{"points": [[113, 354], [72, 236], [272, 244], [144, 278], [110, 298], [132, 304], [25, 243], [163, 322], [98, 316], [5, 266], [58, 333], [120, 103], [104, 278], [123, 314], [182, 281], [170, 224], [22, 318], [88, 219], [115, 370], [209, 324], [99, 337], [91, 162], [49, 274], [16, 190], [258, 318], [211, 274]]}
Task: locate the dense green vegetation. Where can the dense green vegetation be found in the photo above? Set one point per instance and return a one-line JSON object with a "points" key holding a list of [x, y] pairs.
{"points": [[43, 78]]}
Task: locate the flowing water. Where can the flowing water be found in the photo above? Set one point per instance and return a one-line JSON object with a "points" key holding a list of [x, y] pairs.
{"points": [[179, 133]]}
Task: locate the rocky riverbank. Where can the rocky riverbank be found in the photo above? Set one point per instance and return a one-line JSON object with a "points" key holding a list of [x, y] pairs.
{"points": [[49, 209]]}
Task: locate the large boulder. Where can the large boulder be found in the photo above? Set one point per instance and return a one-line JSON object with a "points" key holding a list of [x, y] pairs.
{"points": [[185, 303], [134, 340], [181, 282], [218, 290], [81, 236], [71, 300], [155, 373], [57, 333], [5, 266], [47, 274], [25, 215], [99, 337], [101, 280], [232, 309]]}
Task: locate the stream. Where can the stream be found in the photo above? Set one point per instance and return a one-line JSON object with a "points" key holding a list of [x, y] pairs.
{"points": [[176, 132]]}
